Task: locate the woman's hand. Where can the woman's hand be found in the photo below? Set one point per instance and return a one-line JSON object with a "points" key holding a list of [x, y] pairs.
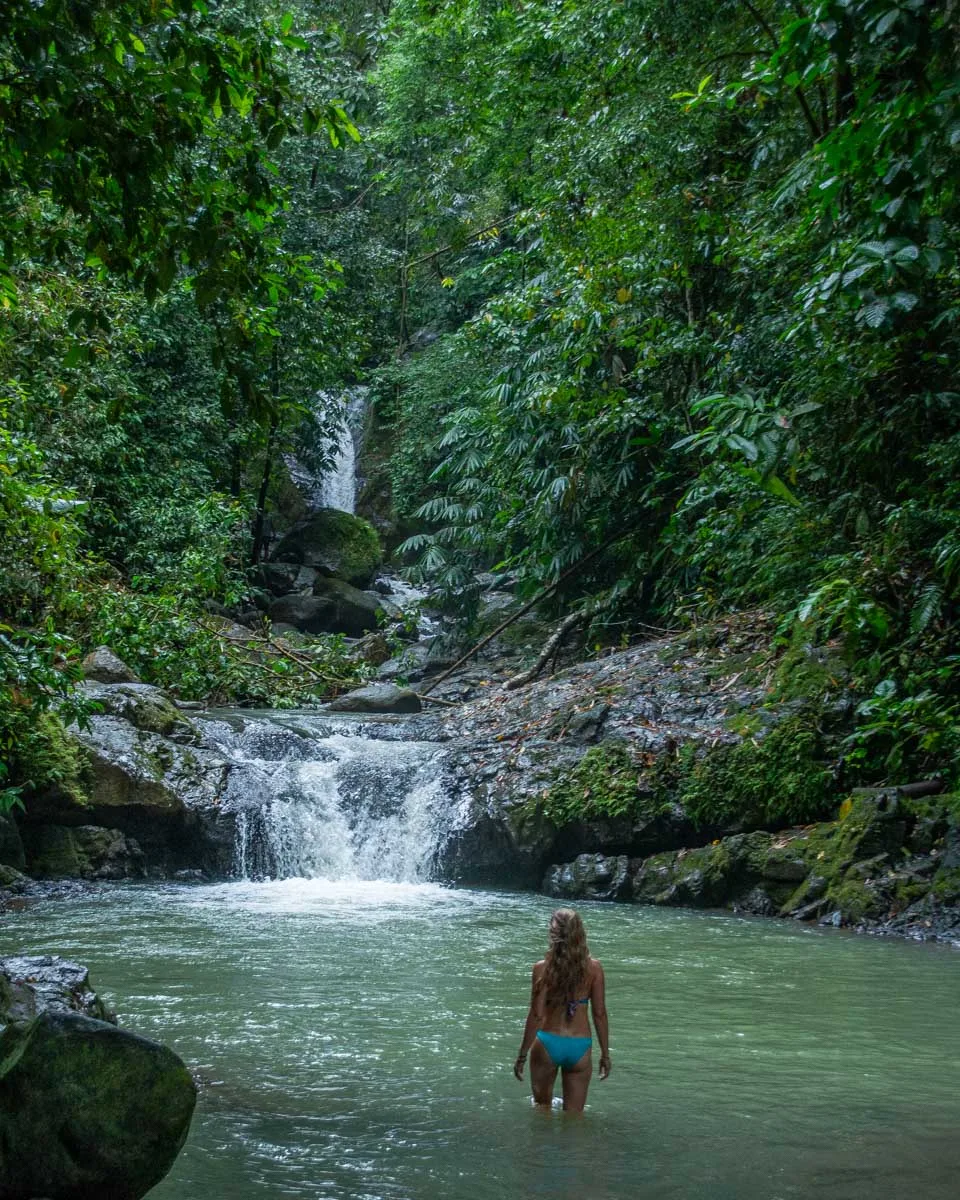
{"points": [[605, 1065], [519, 1065]]}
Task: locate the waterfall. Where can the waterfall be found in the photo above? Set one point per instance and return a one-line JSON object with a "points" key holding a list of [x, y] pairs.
{"points": [[320, 801], [336, 487]]}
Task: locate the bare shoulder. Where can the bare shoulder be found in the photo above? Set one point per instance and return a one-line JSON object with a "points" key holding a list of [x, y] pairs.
{"points": [[538, 967], [596, 969]]}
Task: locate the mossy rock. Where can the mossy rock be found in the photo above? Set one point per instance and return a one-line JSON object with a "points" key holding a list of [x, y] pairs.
{"points": [[945, 888], [55, 767], [603, 784], [870, 824], [772, 781], [706, 877], [335, 543], [83, 852], [52, 852], [11, 845], [12, 879], [145, 707], [88, 1110], [854, 861]]}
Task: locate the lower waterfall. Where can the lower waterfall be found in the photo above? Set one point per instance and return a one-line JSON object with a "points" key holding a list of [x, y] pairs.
{"points": [[317, 801]]}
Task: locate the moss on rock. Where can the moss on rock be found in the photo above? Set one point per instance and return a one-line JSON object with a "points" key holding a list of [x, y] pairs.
{"points": [[85, 852], [54, 761], [145, 707], [776, 780], [88, 1109], [604, 784], [335, 543], [708, 876]]}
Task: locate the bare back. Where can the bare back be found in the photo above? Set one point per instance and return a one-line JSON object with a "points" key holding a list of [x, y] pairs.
{"points": [[570, 1018]]}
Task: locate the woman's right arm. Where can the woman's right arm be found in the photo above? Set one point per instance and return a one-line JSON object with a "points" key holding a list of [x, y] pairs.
{"points": [[598, 1002]]}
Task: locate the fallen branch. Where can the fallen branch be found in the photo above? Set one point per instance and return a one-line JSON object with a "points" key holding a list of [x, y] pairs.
{"points": [[924, 787], [570, 621], [301, 662], [437, 700], [283, 651], [542, 595]]}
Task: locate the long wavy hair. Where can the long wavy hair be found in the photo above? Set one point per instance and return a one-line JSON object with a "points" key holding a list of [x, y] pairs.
{"points": [[567, 961]]}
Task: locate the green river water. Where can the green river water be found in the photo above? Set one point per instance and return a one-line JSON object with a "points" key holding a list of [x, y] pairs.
{"points": [[353, 1041]]}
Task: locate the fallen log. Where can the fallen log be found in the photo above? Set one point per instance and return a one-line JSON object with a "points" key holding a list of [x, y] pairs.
{"points": [[541, 595], [552, 644]]}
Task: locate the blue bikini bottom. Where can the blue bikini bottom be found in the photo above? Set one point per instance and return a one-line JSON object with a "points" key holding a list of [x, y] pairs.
{"points": [[564, 1051]]}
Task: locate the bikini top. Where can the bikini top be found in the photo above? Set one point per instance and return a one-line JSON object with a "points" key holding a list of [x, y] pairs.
{"points": [[572, 1006]]}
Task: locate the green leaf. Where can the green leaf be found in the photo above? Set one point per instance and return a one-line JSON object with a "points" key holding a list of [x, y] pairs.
{"points": [[776, 487], [875, 313], [887, 21]]}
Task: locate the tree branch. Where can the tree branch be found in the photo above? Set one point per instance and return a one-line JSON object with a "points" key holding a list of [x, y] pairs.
{"points": [[552, 644], [470, 238]]}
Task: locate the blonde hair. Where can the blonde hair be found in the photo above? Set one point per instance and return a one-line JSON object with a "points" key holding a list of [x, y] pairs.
{"points": [[567, 961]]}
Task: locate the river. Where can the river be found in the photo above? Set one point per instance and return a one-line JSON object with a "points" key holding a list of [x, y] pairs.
{"points": [[353, 1041]]}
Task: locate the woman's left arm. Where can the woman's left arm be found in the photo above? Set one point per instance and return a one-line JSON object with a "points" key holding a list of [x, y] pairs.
{"points": [[533, 1023]]}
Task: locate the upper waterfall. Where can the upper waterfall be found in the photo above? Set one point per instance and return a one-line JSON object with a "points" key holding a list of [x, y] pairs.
{"points": [[336, 487]]}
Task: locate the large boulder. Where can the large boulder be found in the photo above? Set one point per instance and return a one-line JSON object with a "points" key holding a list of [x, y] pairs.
{"points": [[152, 799], [336, 607], [12, 881], [87, 1109], [377, 698], [335, 543], [590, 877], [103, 666]]}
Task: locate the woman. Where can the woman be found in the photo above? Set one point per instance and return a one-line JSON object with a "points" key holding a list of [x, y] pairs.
{"points": [[565, 983]]}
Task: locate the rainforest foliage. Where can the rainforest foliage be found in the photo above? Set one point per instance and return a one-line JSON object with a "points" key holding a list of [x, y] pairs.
{"points": [[678, 281]]}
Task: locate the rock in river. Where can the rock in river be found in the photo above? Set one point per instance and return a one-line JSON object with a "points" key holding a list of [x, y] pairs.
{"points": [[38, 983], [335, 543], [377, 698], [86, 1109]]}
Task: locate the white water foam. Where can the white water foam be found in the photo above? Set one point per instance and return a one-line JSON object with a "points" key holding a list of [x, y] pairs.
{"points": [[361, 809], [326, 896], [338, 488]]}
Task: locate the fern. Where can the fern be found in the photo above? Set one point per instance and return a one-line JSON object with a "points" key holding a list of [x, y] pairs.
{"points": [[927, 608]]}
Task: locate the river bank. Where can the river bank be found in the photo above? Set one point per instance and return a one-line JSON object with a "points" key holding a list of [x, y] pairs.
{"points": [[677, 772]]}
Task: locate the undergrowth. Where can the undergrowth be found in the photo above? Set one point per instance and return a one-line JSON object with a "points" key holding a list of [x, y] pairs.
{"points": [[175, 644], [779, 779], [603, 785]]}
